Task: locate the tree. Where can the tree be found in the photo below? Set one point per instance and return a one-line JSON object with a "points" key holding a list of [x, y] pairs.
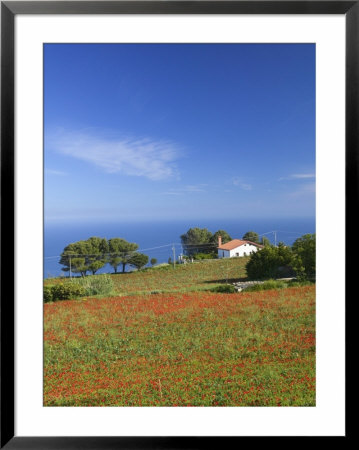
{"points": [[95, 265], [97, 256], [265, 241], [138, 260], [78, 265], [74, 258], [251, 236], [115, 261], [304, 251], [66, 257], [120, 251], [82, 256], [285, 261], [197, 240], [153, 261], [97, 245], [224, 236]]}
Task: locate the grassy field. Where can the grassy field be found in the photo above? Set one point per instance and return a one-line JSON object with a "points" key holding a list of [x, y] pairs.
{"points": [[201, 275], [182, 346]]}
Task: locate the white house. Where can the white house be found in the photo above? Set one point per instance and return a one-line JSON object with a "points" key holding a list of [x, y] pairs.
{"points": [[236, 247]]}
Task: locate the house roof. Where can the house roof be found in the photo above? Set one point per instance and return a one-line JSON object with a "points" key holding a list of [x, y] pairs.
{"points": [[236, 243]]}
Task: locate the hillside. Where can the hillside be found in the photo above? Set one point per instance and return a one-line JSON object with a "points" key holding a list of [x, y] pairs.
{"points": [[201, 275]]}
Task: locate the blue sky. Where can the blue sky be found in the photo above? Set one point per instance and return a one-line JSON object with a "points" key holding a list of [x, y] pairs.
{"points": [[166, 132]]}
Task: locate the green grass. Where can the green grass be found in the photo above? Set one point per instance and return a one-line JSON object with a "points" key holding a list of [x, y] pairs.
{"points": [[163, 338], [199, 349], [198, 276]]}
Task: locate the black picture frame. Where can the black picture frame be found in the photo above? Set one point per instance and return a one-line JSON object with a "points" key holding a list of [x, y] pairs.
{"points": [[9, 9]]}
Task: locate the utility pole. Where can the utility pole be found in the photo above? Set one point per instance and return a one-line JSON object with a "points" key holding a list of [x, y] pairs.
{"points": [[275, 239], [174, 255], [70, 266]]}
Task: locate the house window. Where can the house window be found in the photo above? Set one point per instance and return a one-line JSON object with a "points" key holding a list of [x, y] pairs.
{"points": [[244, 254], [237, 254], [223, 254]]}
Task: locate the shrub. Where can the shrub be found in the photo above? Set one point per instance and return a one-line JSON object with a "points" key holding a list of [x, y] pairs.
{"points": [[95, 284], [48, 297], [79, 287], [296, 283], [66, 291], [204, 256], [224, 289], [270, 284], [285, 271], [267, 262], [304, 261]]}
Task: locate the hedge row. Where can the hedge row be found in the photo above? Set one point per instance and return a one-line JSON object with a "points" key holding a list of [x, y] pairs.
{"points": [[62, 291]]}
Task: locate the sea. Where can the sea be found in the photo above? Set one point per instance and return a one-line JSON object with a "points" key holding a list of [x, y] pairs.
{"points": [[161, 239]]}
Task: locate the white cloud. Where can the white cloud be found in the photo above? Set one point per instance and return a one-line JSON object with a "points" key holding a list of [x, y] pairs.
{"points": [[153, 159], [298, 176]]}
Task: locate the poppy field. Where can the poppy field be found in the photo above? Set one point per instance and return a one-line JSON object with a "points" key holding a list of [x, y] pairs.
{"points": [[182, 348]]}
